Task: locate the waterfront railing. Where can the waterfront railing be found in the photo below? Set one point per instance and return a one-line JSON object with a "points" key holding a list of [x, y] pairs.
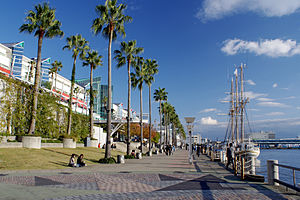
{"points": [[273, 175]]}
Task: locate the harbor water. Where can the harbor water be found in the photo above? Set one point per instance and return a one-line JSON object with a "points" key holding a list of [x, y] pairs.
{"points": [[290, 157]]}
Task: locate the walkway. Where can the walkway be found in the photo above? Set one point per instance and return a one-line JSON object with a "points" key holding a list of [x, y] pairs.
{"points": [[156, 177]]}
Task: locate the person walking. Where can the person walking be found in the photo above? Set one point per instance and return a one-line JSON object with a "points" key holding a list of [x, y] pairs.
{"points": [[198, 151], [229, 156]]}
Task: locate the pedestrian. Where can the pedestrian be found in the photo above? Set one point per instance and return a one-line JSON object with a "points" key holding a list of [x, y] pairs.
{"points": [[80, 162], [229, 156], [72, 161], [198, 151]]}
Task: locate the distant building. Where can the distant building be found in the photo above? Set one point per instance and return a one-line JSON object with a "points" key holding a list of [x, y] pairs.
{"points": [[17, 66], [14, 64], [196, 139], [85, 83], [261, 135]]}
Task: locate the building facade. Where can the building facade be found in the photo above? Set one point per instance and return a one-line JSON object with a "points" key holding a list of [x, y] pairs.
{"points": [[261, 135]]}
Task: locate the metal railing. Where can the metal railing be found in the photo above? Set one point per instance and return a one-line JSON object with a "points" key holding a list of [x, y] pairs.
{"points": [[294, 186]]}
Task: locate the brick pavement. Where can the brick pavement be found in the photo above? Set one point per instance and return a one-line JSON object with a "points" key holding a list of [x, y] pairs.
{"points": [[156, 177]]}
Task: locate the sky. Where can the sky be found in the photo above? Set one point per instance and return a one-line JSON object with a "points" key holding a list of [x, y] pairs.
{"points": [[197, 44]]}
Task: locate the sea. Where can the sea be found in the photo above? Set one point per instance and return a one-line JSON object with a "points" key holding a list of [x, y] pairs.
{"points": [[290, 157]]}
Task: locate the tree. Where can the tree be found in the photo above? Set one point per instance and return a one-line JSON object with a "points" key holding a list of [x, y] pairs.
{"points": [[137, 79], [56, 67], [160, 95], [127, 54], [32, 64], [42, 22], [76, 92], [93, 60], [111, 16], [151, 66], [78, 45]]}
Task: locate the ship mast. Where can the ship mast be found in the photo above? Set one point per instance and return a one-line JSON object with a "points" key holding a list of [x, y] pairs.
{"points": [[242, 105], [232, 112], [236, 106]]}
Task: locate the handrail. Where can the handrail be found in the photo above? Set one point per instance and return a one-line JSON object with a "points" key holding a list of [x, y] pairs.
{"points": [[286, 166], [294, 186]]}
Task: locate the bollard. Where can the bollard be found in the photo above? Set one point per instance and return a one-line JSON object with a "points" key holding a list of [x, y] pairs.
{"points": [[252, 165], [120, 159], [243, 168], [139, 155], [273, 172], [235, 166]]}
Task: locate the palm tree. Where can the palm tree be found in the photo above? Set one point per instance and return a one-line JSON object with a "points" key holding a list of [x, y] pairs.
{"points": [[137, 79], [56, 67], [32, 64], [78, 45], [111, 16], [93, 60], [76, 92], [160, 95], [42, 22], [151, 66], [127, 53], [52, 72]]}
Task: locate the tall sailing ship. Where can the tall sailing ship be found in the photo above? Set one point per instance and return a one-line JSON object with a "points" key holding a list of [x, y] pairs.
{"points": [[237, 116]]}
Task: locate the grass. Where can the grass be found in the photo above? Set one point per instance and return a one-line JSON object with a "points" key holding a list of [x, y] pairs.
{"points": [[47, 158]]}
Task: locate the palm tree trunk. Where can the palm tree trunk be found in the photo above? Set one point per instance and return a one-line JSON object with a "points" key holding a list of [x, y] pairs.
{"points": [[128, 109], [141, 118], [52, 83], [160, 124], [71, 97], [55, 81], [107, 146], [165, 123], [150, 119], [91, 102], [36, 84]]}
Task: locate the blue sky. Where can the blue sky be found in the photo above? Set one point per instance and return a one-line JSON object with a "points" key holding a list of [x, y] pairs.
{"points": [[197, 43]]}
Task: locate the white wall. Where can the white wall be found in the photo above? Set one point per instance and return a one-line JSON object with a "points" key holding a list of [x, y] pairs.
{"points": [[100, 135]]}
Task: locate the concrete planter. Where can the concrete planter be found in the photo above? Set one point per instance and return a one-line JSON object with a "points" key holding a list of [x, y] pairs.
{"points": [[69, 143], [31, 142], [120, 159], [94, 143], [139, 155], [3, 139]]}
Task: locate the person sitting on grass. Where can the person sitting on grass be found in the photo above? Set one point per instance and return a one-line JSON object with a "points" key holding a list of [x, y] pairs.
{"points": [[80, 162], [72, 161]]}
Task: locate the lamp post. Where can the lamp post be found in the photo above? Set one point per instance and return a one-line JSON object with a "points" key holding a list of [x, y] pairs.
{"points": [[189, 121]]}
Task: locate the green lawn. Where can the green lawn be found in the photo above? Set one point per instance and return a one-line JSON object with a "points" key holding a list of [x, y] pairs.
{"points": [[47, 158]]}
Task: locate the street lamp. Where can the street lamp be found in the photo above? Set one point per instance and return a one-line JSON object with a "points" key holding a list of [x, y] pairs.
{"points": [[189, 121]]}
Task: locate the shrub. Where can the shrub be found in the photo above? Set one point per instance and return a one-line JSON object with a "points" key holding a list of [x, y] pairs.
{"points": [[129, 157], [110, 160]]}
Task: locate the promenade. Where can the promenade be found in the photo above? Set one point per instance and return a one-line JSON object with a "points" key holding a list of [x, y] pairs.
{"points": [[156, 177]]}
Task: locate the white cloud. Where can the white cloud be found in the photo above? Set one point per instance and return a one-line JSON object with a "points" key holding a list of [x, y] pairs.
{"points": [[264, 99], [272, 48], [298, 107], [208, 110], [275, 113], [291, 97], [252, 95], [272, 104], [217, 9], [208, 121], [250, 82], [253, 109], [275, 85]]}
